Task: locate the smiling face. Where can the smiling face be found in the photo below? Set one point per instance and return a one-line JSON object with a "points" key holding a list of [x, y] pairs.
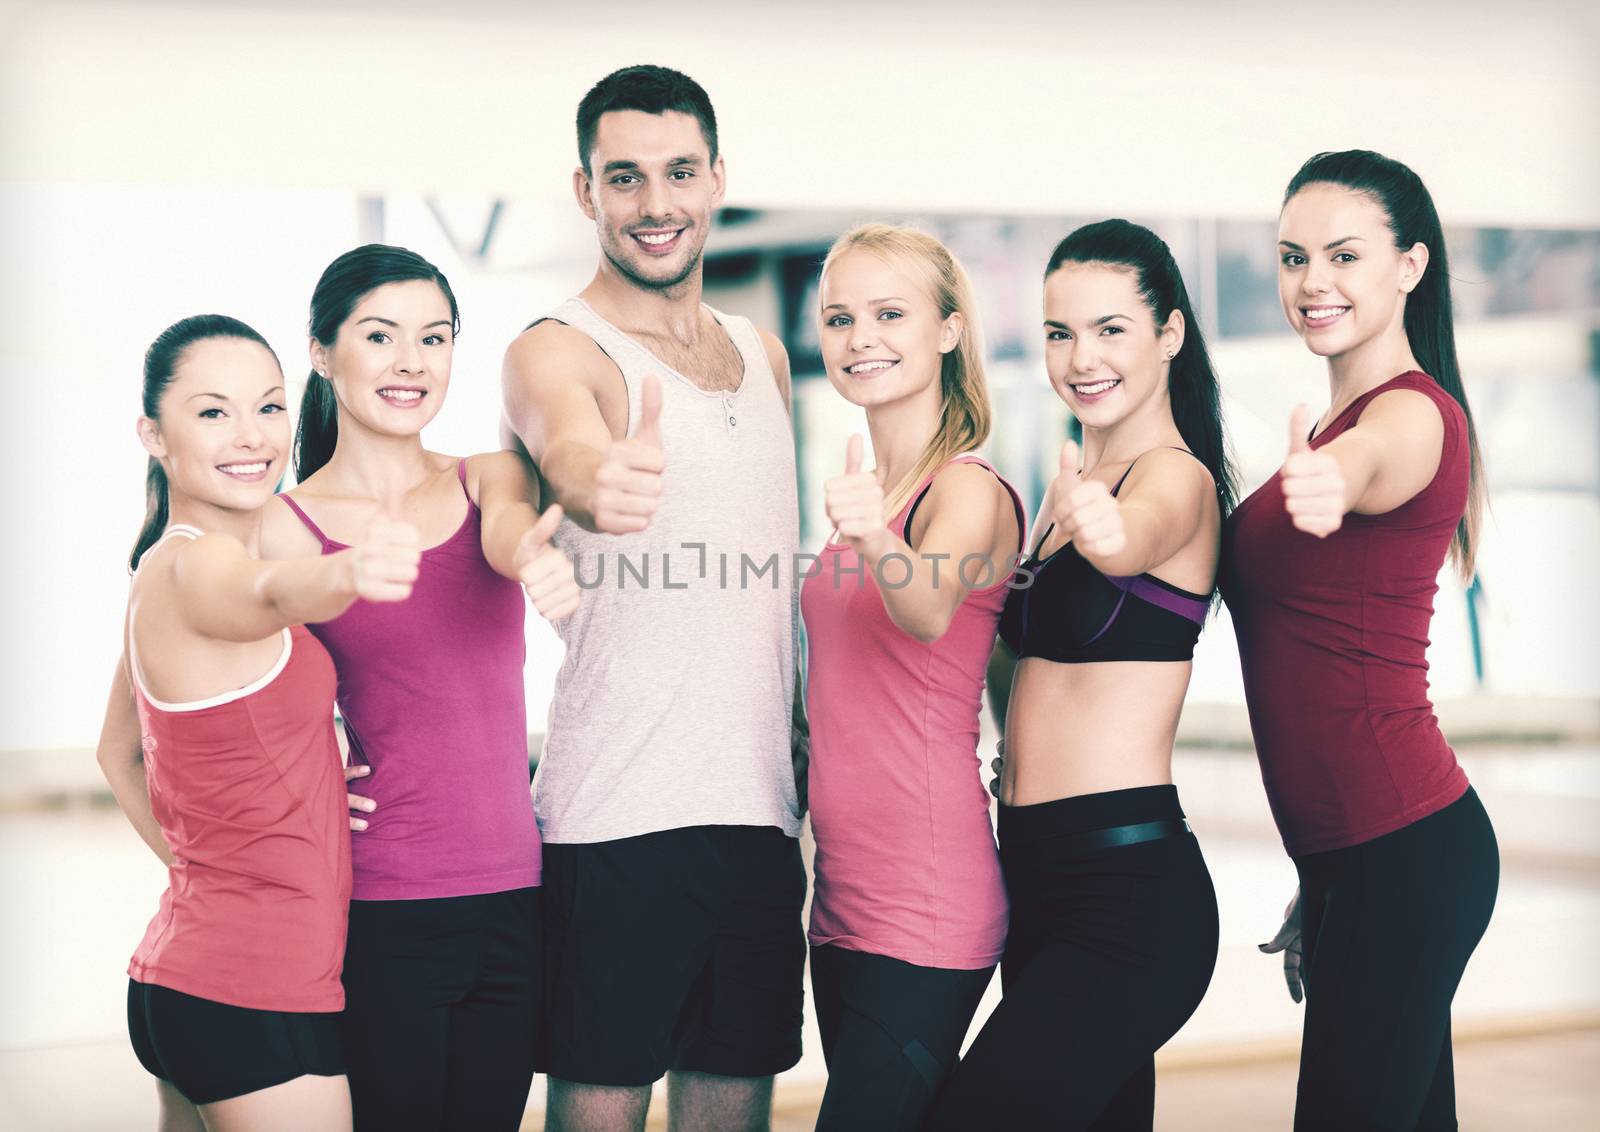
{"points": [[883, 338], [1105, 354], [652, 192], [1341, 280], [223, 432], [390, 361]]}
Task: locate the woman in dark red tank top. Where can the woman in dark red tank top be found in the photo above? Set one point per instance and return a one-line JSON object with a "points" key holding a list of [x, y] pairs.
{"points": [[442, 974], [1329, 570], [219, 744]]}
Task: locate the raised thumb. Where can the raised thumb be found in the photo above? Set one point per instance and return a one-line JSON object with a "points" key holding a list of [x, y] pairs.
{"points": [[1299, 430], [650, 409]]}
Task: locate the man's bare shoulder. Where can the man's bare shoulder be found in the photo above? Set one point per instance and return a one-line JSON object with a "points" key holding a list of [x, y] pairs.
{"points": [[778, 359], [553, 351]]}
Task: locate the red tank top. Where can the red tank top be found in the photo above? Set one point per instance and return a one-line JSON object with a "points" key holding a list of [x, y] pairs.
{"points": [[906, 864], [250, 795], [1333, 638]]}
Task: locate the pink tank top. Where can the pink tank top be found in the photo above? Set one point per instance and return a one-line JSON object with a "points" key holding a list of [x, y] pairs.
{"points": [[249, 793], [432, 697], [906, 864]]}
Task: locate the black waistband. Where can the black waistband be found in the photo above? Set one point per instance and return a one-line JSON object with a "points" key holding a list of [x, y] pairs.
{"points": [[1091, 815], [1115, 837]]}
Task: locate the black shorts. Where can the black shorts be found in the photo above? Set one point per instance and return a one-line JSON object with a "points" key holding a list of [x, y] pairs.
{"points": [[674, 950], [442, 1010], [211, 1052]]}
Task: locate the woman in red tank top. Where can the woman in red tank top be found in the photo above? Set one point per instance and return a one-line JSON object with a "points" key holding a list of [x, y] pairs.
{"points": [[219, 745], [908, 916], [1329, 570]]}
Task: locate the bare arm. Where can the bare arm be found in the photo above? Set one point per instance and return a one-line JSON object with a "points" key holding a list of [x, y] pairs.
{"points": [[508, 498], [967, 510], [228, 595], [516, 538], [778, 359], [1158, 512], [121, 757], [1379, 464], [603, 480]]}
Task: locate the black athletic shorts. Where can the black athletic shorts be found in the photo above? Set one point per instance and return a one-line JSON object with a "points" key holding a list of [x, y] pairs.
{"points": [[211, 1052], [674, 950]]}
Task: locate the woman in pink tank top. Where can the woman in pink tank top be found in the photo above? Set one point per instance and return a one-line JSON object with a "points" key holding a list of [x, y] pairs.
{"points": [[1330, 570], [219, 745], [442, 973], [908, 917]]}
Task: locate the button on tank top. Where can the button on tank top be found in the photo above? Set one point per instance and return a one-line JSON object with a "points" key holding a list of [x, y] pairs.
{"points": [[1333, 639], [672, 706], [433, 701], [249, 793], [906, 864]]}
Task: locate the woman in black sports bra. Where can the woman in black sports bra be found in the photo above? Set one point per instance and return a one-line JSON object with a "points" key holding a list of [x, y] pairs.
{"points": [[1113, 916]]}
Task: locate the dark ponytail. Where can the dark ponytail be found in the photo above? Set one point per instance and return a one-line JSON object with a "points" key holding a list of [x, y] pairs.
{"points": [[1429, 323], [161, 361], [1191, 382], [348, 280]]}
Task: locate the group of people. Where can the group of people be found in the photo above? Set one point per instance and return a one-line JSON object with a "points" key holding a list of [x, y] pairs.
{"points": [[401, 939]]}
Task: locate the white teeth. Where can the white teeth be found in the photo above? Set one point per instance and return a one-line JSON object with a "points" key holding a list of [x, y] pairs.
{"points": [[867, 367], [244, 469], [1325, 312], [400, 394], [1097, 387], [663, 238]]}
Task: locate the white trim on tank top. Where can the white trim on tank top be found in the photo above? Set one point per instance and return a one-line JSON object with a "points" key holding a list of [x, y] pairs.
{"points": [[211, 701]]}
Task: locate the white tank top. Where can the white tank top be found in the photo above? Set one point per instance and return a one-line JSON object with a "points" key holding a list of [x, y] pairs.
{"points": [[672, 706]]}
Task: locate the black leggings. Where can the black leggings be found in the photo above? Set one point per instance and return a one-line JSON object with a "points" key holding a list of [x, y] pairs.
{"points": [[442, 1011], [1110, 951], [1388, 927], [890, 1033]]}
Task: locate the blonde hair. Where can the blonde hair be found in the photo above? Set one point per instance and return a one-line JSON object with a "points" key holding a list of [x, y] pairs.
{"points": [[964, 412]]}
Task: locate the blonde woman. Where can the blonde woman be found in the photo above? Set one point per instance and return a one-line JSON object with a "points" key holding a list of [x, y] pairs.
{"points": [[909, 914]]}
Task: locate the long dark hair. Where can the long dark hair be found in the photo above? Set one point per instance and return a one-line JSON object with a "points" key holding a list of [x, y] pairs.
{"points": [[1429, 324], [1191, 381], [348, 280], [160, 362]]}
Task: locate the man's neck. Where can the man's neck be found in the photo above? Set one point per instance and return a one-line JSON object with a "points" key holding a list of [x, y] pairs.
{"points": [[673, 312]]}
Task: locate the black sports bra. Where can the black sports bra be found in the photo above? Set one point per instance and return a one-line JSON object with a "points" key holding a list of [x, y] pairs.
{"points": [[1074, 614]]}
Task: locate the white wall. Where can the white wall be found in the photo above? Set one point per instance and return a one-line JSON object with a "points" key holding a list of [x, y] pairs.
{"points": [[159, 160], [1004, 105]]}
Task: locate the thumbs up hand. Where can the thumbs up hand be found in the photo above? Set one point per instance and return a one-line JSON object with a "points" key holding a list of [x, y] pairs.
{"points": [[544, 570], [1313, 486], [628, 482], [854, 502], [1085, 511], [383, 565]]}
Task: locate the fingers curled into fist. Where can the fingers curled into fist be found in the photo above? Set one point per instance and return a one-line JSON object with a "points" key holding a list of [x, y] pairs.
{"points": [[628, 482], [384, 563], [854, 501], [1313, 486], [546, 572], [1084, 510]]}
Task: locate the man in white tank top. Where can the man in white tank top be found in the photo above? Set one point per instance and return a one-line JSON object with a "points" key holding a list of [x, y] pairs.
{"points": [[666, 792]]}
